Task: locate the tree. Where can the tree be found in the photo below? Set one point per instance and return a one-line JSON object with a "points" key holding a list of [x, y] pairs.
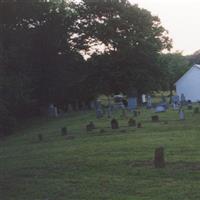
{"points": [[131, 39], [174, 65]]}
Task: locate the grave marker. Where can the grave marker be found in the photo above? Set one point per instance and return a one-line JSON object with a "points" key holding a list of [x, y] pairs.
{"points": [[159, 159], [114, 124]]}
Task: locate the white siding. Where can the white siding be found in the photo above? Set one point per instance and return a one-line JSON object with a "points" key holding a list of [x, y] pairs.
{"points": [[189, 84]]}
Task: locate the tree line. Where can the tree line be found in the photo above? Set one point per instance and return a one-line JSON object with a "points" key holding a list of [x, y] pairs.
{"points": [[64, 52]]}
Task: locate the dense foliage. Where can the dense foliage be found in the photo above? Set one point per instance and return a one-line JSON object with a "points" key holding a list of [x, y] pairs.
{"points": [[43, 46]]}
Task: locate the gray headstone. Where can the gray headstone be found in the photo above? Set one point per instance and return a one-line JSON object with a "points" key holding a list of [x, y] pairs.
{"points": [[114, 124], [132, 103], [160, 108], [181, 115], [149, 102]]}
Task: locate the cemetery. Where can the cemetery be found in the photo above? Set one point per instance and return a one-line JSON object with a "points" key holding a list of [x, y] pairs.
{"points": [[98, 100], [84, 155]]}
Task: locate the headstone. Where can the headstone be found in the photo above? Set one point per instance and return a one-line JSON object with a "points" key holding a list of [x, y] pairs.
{"points": [[160, 108], [102, 130], [175, 106], [144, 100], [114, 124], [52, 111], [183, 99], [149, 102], [181, 115], [40, 137], [99, 111], [155, 118], [175, 102], [175, 99], [139, 125], [132, 103], [90, 126], [159, 159], [63, 131], [131, 122]]}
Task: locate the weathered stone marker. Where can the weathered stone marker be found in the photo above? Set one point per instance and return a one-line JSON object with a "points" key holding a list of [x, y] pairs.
{"points": [[159, 158], [181, 115], [63, 131], [90, 126], [131, 122], [114, 124], [139, 125], [155, 118], [40, 137], [102, 130]]}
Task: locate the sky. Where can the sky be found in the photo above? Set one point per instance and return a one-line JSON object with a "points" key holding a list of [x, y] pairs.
{"points": [[181, 18]]}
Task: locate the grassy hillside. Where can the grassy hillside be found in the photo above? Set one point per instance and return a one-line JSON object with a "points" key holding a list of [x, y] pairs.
{"points": [[115, 165]]}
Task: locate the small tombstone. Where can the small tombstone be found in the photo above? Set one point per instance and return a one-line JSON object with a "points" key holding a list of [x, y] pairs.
{"points": [[114, 124], [139, 125], [90, 126], [102, 130], [196, 110], [52, 110], [149, 102], [155, 118], [144, 99], [132, 103], [183, 99], [159, 158], [160, 108], [131, 122], [165, 122], [40, 137], [181, 115], [63, 131]]}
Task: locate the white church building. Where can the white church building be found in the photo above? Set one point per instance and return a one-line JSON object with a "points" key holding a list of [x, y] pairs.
{"points": [[189, 84]]}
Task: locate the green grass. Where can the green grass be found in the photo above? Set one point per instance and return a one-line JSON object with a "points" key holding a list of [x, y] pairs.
{"points": [[115, 165]]}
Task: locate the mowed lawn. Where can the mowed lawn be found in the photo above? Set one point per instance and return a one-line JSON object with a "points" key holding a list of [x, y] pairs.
{"points": [[114, 165]]}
